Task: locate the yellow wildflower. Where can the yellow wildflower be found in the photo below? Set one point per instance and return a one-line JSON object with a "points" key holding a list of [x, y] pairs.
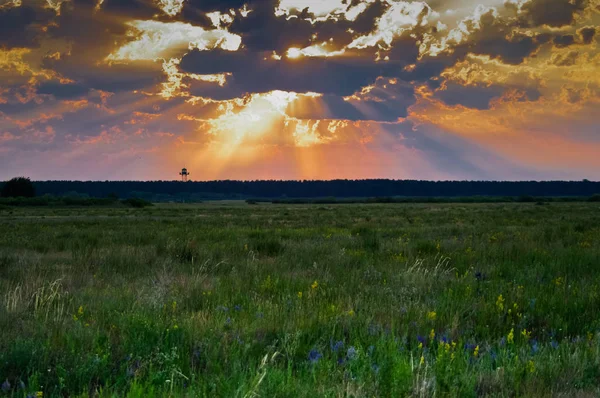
{"points": [[590, 336], [39, 394], [431, 315], [500, 303], [315, 285], [447, 347], [80, 310], [299, 294], [420, 346], [476, 352], [526, 334], [351, 313], [432, 334], [511, 336], [174, 306], [530, 366], [422, 361], [559, 281]]}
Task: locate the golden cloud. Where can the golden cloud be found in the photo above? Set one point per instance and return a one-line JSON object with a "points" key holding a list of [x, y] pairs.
{"points": [[152, 40]]}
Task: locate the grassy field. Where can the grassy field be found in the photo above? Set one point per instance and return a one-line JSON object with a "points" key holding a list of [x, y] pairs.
{"points": [[301, 301]]}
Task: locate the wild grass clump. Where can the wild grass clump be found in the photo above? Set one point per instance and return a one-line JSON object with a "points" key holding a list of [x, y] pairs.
{"points": [[361, 300]]}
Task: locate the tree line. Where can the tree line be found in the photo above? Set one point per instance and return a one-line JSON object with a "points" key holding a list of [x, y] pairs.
{"points": [[230, 189]]}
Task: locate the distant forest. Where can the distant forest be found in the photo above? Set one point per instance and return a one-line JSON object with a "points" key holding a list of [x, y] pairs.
{"points": [[196, 191]]}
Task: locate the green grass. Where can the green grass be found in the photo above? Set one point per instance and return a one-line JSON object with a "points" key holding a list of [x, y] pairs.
{"points": [[357, 300]]}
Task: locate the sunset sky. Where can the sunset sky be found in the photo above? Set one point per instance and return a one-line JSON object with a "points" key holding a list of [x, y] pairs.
{"points": [[300, 89]]}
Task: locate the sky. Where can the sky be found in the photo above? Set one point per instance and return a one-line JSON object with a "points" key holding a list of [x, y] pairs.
{"points": [[300, 89]]}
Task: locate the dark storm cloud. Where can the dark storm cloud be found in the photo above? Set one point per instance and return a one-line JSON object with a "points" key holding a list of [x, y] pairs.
{"points": [[497, 38], [554, 13], [339, 76], [134, 9], [587, 34], [66, 91], [20, 26], [564, 41], [113, 78], [478, 97]]}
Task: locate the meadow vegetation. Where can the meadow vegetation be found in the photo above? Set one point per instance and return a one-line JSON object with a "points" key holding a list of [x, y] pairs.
{"points": [[303, 300]]}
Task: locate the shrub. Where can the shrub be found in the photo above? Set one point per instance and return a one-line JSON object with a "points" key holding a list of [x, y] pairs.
{"points": [[18, 187], [137, 203]]}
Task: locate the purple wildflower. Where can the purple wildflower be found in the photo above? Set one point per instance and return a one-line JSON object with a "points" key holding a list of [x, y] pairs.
{"points": [[314, 356], [338, 345]]}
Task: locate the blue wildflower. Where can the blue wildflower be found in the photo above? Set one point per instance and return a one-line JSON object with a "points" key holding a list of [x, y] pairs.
{"points": [[341, 361], [534, 346], [469, 347], [352, 353], [532, 302], [493, 355], [370, 350], [338, 345], [228, 321], [6, 386], [373, 329], [421, 339], [314, 356], [503, 341], [554, 344], [237, 307], [375, 368]]}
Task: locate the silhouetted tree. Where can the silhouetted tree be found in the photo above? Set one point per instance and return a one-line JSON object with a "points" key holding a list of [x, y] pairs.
{"points": [[18, 187]]}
